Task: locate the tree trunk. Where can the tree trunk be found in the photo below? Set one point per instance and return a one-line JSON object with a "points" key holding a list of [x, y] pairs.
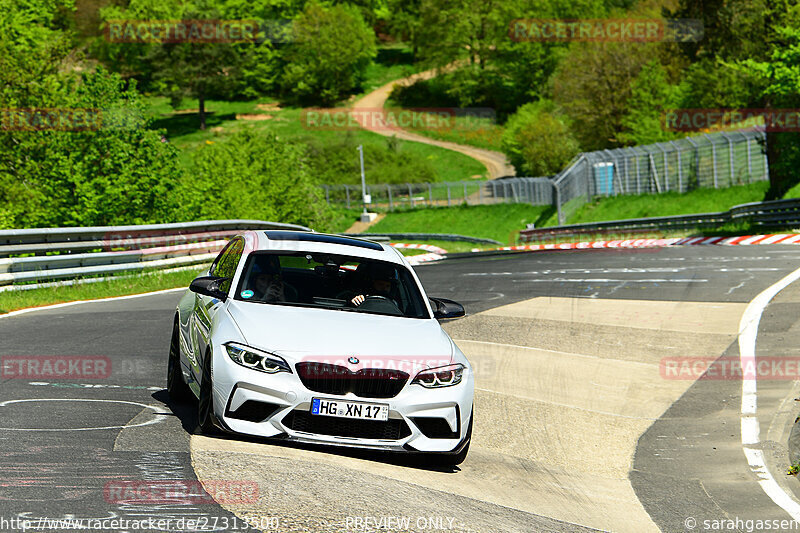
{"points": [[202, 110], [774, 165]]}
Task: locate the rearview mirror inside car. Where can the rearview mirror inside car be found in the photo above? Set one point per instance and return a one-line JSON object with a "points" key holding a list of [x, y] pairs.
{"points": [[444, 308], [209, 286]]}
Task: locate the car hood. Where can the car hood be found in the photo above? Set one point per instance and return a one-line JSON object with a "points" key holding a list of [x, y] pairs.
{"points": [[325, 335]]}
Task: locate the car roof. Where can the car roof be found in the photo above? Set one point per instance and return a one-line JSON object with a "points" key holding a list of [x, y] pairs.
{"points": [[310, 241]]}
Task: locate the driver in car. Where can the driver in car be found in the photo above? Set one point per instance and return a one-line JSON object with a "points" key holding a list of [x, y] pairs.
{"points": [[379, 283]]}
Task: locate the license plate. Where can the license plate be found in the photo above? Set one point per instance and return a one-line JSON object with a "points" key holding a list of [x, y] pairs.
{"points": [[343, 409]]}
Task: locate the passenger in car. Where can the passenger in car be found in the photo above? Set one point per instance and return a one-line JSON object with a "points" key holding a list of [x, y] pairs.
{"points": [[268, 284], [269, 288]]}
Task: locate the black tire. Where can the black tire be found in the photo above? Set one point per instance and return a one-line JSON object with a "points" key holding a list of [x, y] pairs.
{"points": [[177, 388], [458, 458], [205, 405]]}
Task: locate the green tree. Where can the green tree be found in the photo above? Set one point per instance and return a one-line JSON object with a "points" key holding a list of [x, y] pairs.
{"points": [[199, 70], [405, 23], [754, 45], [497, 67], [118, 173], [651, 96], [780, 75], [331, 50], [538, 141], [593, 84], [257, 176], [451, 30]]}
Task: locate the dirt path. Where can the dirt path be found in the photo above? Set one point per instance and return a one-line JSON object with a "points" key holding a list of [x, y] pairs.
{"points": [[360, 227], [496, 163]]}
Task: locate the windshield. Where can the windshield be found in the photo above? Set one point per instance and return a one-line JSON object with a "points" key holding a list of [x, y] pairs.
{"points": [[331, 281]]}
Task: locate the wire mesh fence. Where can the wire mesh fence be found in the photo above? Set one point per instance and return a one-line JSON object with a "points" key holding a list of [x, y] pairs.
{"points": [[715, 160], [709, 161], [535, 191]]}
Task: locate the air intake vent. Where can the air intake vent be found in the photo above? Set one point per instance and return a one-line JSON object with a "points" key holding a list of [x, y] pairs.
{"points": [[303, 421], [253, 411]]}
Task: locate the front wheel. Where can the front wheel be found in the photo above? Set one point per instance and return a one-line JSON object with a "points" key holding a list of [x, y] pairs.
{"points": [[177, 388], [205, 406]]}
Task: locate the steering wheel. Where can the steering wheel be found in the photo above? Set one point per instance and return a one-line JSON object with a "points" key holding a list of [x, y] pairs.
{"points": [[380, 304], [377, 298]]}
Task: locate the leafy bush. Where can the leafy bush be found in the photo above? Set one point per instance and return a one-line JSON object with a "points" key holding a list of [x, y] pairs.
{"points": [[119, 173], [652, 95], [593, 84], [329, 55], [338, 162], [537, 140], [253, 176], [465, 87], [114, 172]]}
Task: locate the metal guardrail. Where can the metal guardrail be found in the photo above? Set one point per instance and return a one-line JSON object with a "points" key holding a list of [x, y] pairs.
{"points": [[34, 255], [425, 237], [775, 213]]}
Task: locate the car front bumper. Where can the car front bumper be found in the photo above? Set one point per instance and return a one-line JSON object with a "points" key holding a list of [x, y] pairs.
{"points": [[286, 403]]}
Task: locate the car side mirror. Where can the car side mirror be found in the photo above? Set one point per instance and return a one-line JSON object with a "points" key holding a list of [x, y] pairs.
{"points": [[209, 286], [444, 308]]}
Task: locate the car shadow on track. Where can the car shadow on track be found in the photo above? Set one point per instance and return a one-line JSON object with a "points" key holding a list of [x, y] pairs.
{"points": [[187, 414]]}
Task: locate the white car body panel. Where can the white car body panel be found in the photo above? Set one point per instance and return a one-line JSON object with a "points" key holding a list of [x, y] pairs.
{"points": [[299, 334]]}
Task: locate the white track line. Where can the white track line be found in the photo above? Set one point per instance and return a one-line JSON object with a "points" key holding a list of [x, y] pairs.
{"points": [[751, 440]]}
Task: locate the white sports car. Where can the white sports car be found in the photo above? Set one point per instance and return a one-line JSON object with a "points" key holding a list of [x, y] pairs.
{"points": [[322, 339]]}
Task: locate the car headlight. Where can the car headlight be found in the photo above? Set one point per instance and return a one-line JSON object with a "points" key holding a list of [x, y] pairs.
{"points": [[256, 359], [443, 376]]}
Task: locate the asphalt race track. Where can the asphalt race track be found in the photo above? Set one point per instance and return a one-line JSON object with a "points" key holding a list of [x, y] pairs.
{"points": [[579, 427]]}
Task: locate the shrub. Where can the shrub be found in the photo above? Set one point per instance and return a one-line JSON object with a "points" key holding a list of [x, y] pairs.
{"points": [[253, 176], [120, 173], [538, 141], [337, 162]]}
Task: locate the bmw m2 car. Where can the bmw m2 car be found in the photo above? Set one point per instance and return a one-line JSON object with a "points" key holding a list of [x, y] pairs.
{"points": [[322, 339]]}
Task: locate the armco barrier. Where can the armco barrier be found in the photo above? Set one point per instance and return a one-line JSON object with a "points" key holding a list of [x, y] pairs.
{"points": [[776, 213], [48, 254], [424, 237]]}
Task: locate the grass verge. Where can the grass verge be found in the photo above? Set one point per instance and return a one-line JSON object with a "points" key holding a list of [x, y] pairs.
{"points": [[496, 222], [666, 204], [469, 130], [500, 222], [120, 286], [387, 160]]}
